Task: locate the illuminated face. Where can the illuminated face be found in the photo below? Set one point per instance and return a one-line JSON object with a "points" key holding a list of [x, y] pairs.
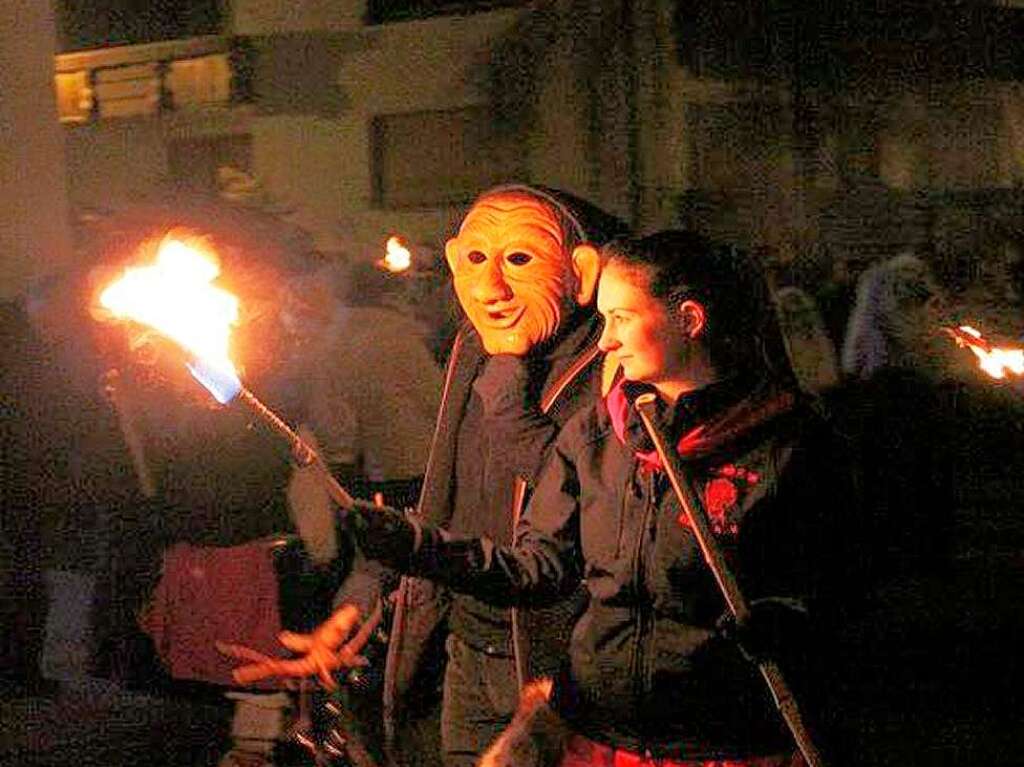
{"points": [[512, 274], [638, 330]]}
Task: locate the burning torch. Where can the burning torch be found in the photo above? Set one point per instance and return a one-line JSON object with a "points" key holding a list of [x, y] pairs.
{"points": [[397, 257], [176, 297], [997, 361]]}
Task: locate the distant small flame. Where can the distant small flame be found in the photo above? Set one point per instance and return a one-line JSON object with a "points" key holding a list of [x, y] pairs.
{"points": [[995, 361], [175, 296], [398, 257]]}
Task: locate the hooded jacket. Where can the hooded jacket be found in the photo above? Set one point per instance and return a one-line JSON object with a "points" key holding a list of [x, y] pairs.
{"points": [[648, 671], [568, 378]]}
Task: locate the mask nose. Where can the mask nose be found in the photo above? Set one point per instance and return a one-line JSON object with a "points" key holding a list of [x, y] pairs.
{"points": [[491, 286]]}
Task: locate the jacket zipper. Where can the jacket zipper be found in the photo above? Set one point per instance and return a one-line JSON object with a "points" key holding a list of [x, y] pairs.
{"points": [[641, 616], [548, 400]]}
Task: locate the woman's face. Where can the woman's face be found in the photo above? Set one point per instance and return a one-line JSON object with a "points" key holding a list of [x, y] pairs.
{"points": [[638, 330]]}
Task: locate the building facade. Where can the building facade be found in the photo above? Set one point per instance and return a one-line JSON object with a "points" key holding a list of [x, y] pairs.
{"points": [[368, 118]]}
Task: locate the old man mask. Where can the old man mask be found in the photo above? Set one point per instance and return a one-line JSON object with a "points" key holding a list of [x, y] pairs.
{"points": [[519, 269]]}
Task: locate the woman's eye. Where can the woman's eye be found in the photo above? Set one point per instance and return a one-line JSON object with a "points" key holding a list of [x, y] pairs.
{"points": [[476, 257], [519, 259]]}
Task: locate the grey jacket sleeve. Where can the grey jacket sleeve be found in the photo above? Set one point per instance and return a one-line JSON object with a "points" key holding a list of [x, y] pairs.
{"points": [[540, 569]]}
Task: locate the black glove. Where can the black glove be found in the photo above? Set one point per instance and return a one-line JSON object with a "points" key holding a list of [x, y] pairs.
{"points": [[774, 625], [383, 534]]}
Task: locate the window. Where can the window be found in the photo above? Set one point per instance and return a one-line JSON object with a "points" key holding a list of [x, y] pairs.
{"points": [[86, 24], [430, 159], [384, 11], [194, 162]]}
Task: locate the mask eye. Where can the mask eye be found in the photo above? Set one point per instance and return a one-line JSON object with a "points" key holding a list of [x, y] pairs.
{"points": [[519, 258], [476, 257]]}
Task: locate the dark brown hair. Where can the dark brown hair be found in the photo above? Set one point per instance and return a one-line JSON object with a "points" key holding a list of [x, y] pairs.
{"points": [[743, 335]]}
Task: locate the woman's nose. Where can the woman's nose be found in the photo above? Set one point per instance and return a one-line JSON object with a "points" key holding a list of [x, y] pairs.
{"points": [[491, 286], [607, 342]]}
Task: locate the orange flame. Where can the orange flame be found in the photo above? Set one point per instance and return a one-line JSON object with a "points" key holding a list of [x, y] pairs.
{"points": [[176, 297], [398, 257], [995, 361]]}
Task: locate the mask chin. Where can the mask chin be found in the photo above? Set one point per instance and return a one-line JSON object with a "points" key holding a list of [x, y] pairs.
{"points": [[540, 323], [510, 341]]}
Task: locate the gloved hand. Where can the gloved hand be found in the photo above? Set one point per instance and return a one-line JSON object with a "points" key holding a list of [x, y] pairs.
{"points": [[774, 624], [384, 534]]}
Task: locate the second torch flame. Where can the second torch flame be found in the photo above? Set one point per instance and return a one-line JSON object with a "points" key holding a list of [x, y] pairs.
{"points": [[175, 296], [397, 258], [995, 361]]}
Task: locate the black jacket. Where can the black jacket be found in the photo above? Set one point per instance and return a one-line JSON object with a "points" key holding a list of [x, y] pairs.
{"points": [[647, 669], [571, 379]]}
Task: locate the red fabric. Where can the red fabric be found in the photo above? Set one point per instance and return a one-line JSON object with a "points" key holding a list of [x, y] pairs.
{"points": [[618, 408], [208, 595], [722, 493], [582, 752], [707, 437]]}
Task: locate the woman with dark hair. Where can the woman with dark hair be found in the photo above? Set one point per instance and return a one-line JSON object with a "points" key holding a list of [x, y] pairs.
{"points": [[651, 674]]}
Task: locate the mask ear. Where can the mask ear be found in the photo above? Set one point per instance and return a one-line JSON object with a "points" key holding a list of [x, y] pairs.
{"points": [[586, 266], [451, 253], [692, 318]]}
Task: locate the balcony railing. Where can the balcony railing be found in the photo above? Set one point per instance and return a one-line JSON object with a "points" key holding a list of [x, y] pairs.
{"points": [[139, 80]]}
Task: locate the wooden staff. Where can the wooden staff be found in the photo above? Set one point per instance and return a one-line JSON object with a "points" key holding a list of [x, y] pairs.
{"points": [[111, 381], [738, 605], [303, 452]]}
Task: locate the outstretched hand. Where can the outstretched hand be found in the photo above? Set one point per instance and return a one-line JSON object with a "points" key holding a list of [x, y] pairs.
{"points": [[325, 650]]}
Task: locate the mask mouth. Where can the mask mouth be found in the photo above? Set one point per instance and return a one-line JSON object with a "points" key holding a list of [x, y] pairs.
{"points": [[503, 318]]}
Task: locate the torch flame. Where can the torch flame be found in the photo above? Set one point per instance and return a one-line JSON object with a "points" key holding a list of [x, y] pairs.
{"points": [[175, 296], [995, 361], [398, 257]]}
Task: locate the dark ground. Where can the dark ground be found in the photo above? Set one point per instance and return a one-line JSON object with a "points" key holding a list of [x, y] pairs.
{"points": [[92, 723]]}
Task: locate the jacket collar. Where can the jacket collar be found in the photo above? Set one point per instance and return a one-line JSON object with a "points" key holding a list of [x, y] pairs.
{"points": [[702, 423], [562, 365]]}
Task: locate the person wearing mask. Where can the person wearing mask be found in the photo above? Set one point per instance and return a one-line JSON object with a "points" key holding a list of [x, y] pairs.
{"points": [[654, 672], [525, 266]]}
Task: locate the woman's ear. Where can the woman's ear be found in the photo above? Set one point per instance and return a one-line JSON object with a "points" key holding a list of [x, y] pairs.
{"points": [[586, 267], [692, 318]]}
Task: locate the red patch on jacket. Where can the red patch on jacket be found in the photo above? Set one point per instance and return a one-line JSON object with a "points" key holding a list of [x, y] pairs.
{"points": [[724, 492], [722, 495]]}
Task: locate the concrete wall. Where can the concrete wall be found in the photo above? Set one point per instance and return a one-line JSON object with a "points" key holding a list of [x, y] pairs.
{"points": [[115, 162], [615, 120], [322, 162], [33, 201], [261, 17]]}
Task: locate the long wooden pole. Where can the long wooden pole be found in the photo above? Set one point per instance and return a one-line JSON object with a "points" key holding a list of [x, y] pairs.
{"points": [[302, 450]]}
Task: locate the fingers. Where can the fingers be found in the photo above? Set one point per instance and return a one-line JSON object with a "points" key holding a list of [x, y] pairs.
{"points": [[296, 642], [325, 650], [325, 671], [337, 628], [252, 673], [351, 659], [257, 671], [321, 664], [366, 630]]}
